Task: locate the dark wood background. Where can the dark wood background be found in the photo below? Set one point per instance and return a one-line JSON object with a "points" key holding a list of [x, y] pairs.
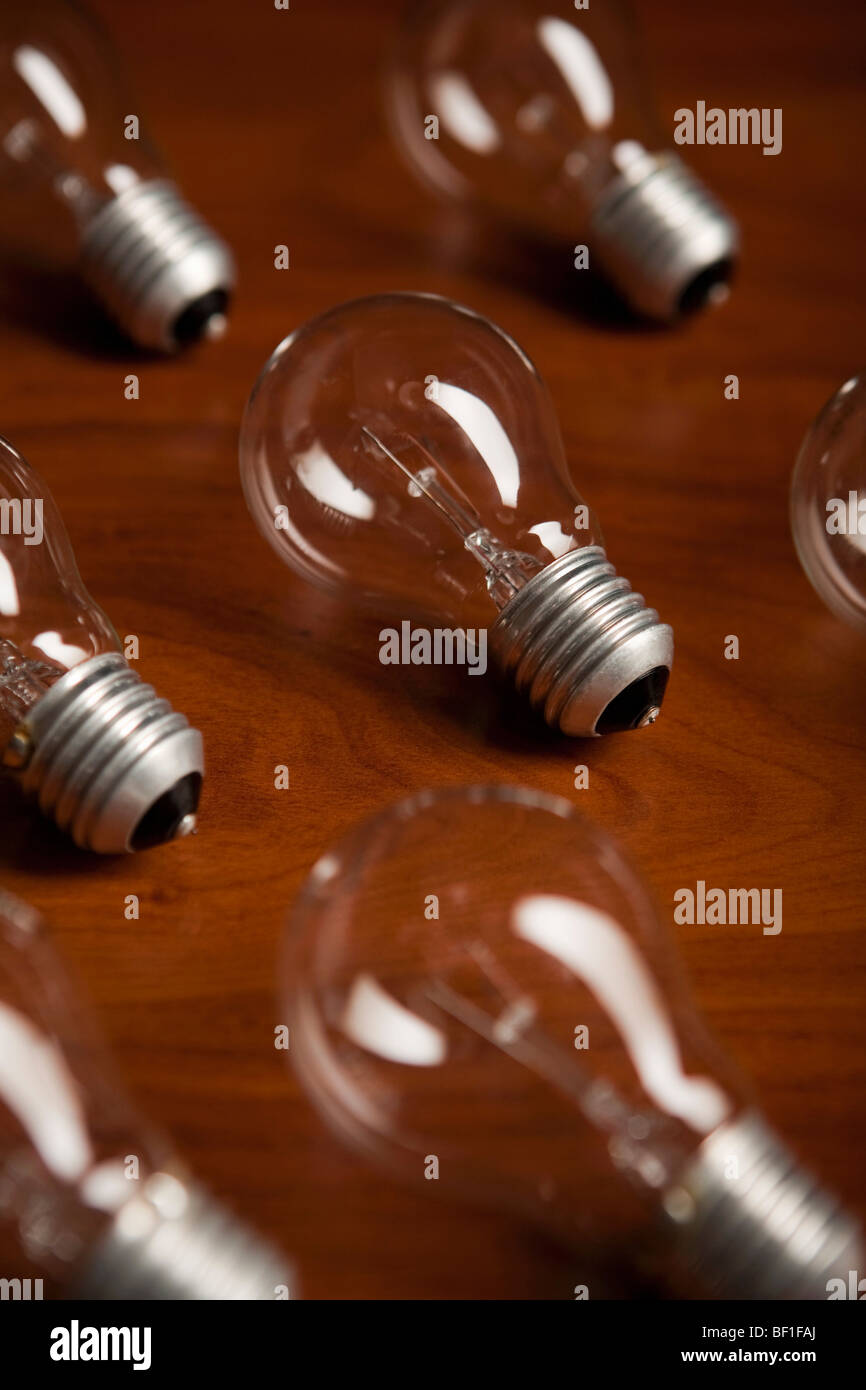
{"points": [[756, 772]]}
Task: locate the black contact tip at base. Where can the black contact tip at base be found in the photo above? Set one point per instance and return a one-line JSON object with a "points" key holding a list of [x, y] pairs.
{"points": [[707, 286], [161, 823], [631, 708], [196, 319]]}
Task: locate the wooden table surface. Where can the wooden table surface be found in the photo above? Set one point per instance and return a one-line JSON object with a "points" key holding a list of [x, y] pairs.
{"points": [[754, 775]]}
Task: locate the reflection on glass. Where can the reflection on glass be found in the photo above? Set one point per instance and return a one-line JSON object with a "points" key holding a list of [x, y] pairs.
{"points": [[400, 440], [401, 451], [477, 978], [828, 503], [534, 111], [48, 621], [84, 190], [99, 1200]]}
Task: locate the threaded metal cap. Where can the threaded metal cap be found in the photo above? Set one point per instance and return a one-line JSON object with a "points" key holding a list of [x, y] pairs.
{"points": [[754, 1224], [585, 649], [663, 239], [174, 1242], [113, 764], [159, 269]]}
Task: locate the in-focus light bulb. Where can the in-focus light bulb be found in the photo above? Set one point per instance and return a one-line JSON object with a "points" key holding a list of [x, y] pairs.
{"points": [[113, 764], [477, 976], [161, 272], [541, 118], [403, 450], [828, 503], [98, 1198]]}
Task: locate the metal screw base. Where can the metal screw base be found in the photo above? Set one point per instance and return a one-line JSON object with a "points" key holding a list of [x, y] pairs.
{"points": [[583, 647], [174, 1242], [114, 765], [158, 268], [662, 237], [755, 1225]]}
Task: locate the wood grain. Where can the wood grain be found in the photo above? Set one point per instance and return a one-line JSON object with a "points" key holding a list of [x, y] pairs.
{"points": [[754, 775]]}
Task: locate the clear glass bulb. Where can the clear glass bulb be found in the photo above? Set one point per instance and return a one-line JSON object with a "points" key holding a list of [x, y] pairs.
{"points": [[537, 111], [113, 764], [828, 503], [402, 451], [98, 1198], [82, 188], [476, 979]]}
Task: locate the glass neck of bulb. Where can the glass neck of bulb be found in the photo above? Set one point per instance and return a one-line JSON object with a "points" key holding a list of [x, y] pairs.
{"points": [[506, 571], [81, 198], [23, 682]]}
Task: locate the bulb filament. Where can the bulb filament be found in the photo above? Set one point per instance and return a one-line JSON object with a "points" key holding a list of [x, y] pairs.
{"points": [[506, 571], [635, 1138]]}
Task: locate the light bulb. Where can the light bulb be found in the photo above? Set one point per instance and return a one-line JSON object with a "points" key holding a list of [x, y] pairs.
{"points": [[113, 764], [160, 271], [828, 503], [402, 450], [481, 998], [98, 1198], [536, 111]]}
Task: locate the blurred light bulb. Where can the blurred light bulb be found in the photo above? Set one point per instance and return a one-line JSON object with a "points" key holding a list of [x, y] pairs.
{"points": [[542, 119], [99, 1199], [403, 449], [112, 763], [477, 976], [160, 271], [828, 503]]}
